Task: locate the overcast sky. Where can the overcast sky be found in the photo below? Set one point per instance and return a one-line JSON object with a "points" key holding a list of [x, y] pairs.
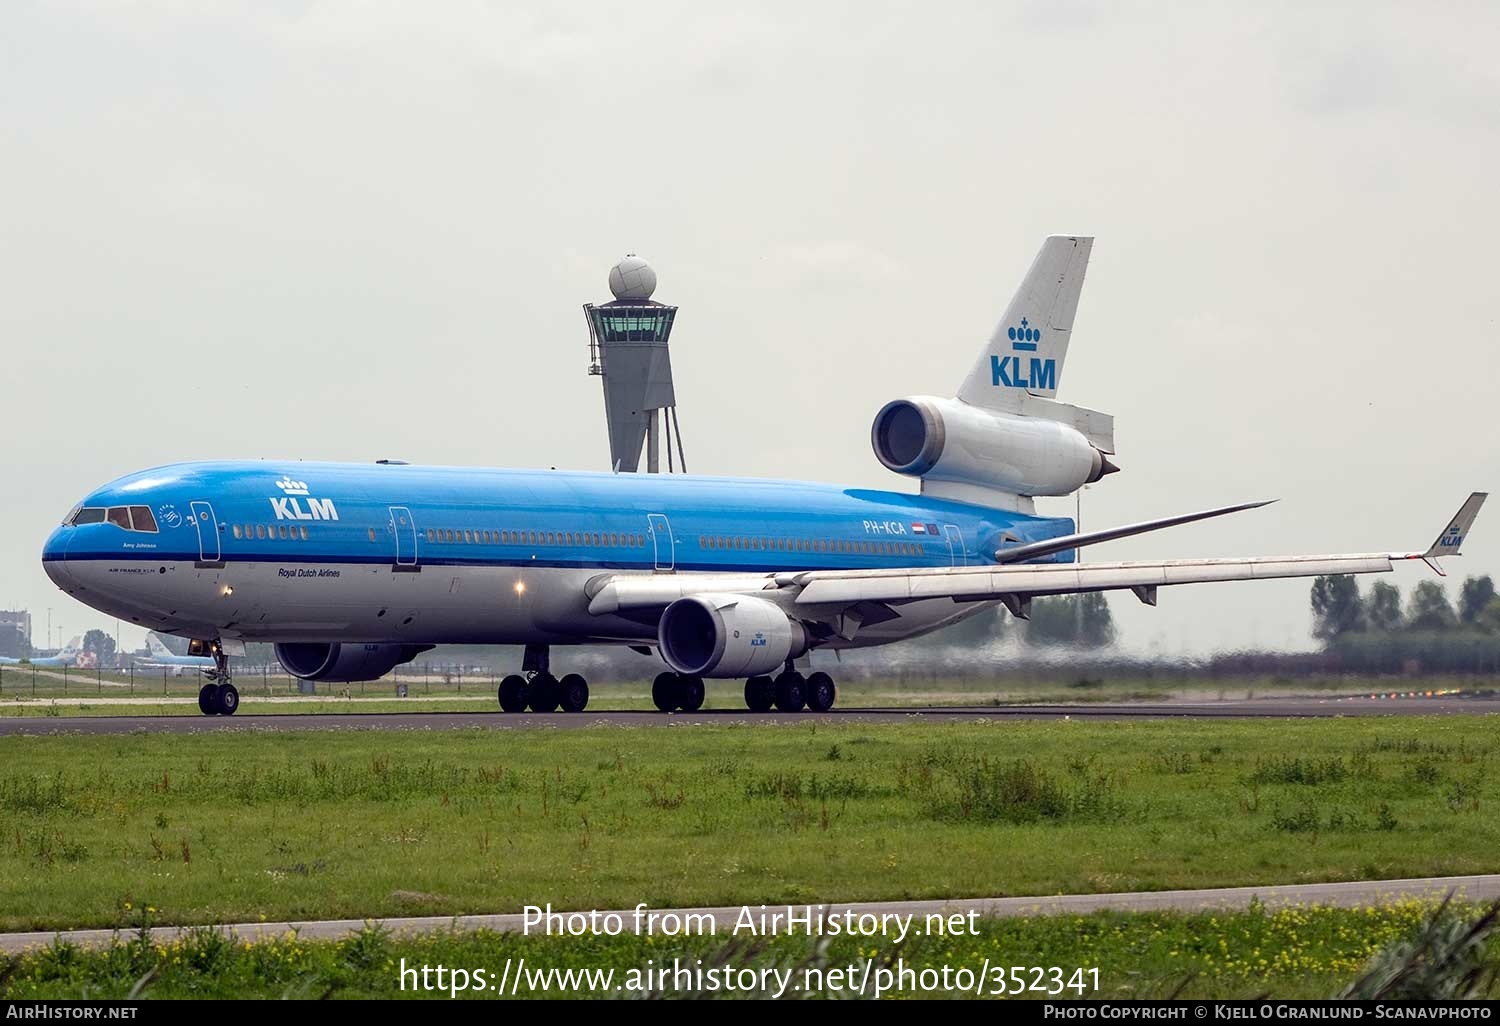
{"points": [[360, 230]]}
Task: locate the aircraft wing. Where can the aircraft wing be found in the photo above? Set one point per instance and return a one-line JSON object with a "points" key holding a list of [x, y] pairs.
{"points": [[1015, 584], [978, 583]]}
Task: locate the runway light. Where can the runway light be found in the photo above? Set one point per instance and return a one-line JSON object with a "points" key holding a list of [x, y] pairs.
{"points": [[520, 587]]}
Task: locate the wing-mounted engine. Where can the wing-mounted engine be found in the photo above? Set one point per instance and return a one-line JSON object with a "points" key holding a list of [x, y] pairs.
{"points": [[969, 453], [723, 635], [343, 663]]}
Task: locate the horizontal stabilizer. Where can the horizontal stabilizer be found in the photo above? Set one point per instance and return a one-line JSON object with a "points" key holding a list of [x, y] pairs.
{"points": [[1050, 546], [1098, 428]]}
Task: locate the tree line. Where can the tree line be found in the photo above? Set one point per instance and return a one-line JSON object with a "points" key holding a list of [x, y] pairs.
{"points": [[1377, 631], [1339, 608], [1078, 621]]}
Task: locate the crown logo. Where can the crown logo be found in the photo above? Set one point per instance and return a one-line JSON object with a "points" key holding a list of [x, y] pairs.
{"points": [[1024, 337], [286, 484]]}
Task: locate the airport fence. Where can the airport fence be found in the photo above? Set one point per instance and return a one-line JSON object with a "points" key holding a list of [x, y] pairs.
{"points": [[23, 682]]}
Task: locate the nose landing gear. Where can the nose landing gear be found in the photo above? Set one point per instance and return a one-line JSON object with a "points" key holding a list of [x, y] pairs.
{"points": [[218, 697]]}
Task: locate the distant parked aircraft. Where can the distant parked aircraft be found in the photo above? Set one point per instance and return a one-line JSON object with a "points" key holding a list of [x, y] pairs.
{"points": [[69, 656], [162, 656]]}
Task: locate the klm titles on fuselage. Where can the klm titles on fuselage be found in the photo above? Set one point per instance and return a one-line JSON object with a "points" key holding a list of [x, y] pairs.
{"points": [[290, 508]]}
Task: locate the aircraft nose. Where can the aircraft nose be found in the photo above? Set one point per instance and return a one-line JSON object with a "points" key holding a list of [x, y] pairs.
{"points": [[54, 554]]}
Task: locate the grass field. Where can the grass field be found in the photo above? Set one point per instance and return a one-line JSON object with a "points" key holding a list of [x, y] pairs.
{"points": [[1286, 953], [219, 827]]}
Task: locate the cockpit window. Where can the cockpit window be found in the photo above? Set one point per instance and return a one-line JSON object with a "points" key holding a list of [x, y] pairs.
{"points": [[88, 515], [141, 519], [120, 516]]}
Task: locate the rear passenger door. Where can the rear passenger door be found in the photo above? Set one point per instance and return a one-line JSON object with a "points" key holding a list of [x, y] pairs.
{"points": [[404, 533], [661, 537]]}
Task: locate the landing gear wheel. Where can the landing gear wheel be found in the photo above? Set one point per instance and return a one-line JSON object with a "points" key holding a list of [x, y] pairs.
{"points": [[544, 693], [573, 693], [760, 694], [206, 697], [666, 692], [227, 699], [790, 696], [820, 692], [514, 694], [690, 693]]}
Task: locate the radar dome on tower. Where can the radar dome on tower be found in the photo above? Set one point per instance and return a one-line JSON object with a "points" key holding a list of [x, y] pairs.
{"points": [[632, 278]]}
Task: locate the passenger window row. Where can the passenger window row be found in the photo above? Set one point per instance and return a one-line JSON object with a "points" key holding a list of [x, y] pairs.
{"points": [[869, 548], [588, 539], [293, 532], [128, 518]]}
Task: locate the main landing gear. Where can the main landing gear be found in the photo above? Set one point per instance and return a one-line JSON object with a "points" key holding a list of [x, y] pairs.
{"points": [[535, 687], [789, 691], [673, 692], [218, 697]]}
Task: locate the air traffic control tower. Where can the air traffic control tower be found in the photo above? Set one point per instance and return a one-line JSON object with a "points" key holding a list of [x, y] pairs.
{"points": [[628, 349]]}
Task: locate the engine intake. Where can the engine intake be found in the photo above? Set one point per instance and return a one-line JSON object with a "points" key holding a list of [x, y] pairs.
{"points": [[728, 636], [340, 663], [949, 440]]}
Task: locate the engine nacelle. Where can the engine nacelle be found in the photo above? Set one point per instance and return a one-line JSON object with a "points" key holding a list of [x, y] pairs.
{"points": [[728, 636], [949, 440], [340, 663]]}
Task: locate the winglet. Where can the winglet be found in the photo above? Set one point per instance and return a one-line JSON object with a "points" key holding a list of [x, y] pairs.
{"points": [[1447, 543]]}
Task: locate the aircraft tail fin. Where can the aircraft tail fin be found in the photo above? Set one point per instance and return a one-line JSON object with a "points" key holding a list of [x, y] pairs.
{"points": [[1026, 352], [156, 646]]}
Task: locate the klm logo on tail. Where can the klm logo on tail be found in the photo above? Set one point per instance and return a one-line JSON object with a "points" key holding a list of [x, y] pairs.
{"points": [[1025, 337], [1008, 371]]}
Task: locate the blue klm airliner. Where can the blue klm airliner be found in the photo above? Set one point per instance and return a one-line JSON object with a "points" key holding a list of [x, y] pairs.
{"points": [[353, 569], [66, 656]]}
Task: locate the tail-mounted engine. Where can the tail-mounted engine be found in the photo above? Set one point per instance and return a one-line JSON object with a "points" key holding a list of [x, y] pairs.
{"points": [[947, 440]]}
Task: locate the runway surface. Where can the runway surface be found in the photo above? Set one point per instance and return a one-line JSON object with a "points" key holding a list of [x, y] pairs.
{"points": [[724, 918], [1362, 705]]}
